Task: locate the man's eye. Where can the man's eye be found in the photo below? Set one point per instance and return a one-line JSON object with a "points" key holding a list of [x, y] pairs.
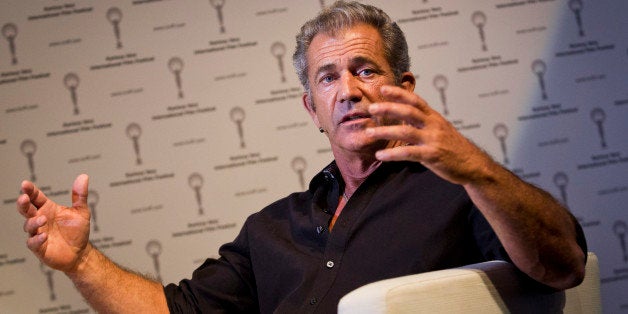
{"points": [[327, 79], [366, 72]]}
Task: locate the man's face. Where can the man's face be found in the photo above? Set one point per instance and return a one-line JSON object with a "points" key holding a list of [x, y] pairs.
{"points": [[346, 73]]}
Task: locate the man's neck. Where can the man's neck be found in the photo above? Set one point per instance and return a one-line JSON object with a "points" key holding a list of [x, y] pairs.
{"points": [[355, 167], [355, 170]]}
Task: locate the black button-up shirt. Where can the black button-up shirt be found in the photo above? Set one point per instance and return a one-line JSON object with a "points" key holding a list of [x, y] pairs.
{"points": [[402, 220]]}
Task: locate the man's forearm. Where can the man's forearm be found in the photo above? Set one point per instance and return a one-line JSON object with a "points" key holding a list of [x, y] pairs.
{"points": [[108, 288], [537, 232]]}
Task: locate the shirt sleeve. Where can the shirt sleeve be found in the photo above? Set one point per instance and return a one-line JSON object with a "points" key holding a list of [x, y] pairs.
{"points": [[223, 285], [489, 245]]}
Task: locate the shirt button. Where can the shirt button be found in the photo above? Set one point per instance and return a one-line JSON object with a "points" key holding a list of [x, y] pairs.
{"points": [[330, 264], [313, 301]]}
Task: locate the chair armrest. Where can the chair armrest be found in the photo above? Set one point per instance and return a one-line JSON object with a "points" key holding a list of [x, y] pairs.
{"points": [[489, 287]]}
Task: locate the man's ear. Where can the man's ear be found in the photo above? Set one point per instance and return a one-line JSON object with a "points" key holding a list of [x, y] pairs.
{"points": [[408, 82], [310, 107]]}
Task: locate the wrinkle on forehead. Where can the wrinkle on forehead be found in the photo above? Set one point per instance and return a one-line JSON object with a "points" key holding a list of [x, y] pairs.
{"points": [[338, 45], [341, 49]]}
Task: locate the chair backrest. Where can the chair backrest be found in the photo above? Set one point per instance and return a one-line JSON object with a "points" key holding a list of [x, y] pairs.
{"points": [[490, 287], [586, 297]]}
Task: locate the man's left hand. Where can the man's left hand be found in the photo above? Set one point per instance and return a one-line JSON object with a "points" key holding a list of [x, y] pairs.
{"points": [[431, 139]]}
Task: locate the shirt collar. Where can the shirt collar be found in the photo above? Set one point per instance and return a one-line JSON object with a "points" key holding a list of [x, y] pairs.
{"points": [[329, 175]]}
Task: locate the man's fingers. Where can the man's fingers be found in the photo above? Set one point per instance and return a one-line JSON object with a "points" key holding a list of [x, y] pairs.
{"points": [[400, 153], [404, 133], [35, 242], [79, 191], [36, 196], [398, 94], [25, 207], [32, 225], [402, 105], [397, 111]]}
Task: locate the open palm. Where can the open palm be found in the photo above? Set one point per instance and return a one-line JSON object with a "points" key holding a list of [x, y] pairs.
{"points": [[59, 235]]}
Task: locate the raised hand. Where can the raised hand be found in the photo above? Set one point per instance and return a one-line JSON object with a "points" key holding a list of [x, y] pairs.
{"points": [[431, 139], [58, 235], [536, 231]]}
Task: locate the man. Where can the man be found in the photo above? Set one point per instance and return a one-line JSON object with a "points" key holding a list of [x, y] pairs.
{"points": [[406, 193]]}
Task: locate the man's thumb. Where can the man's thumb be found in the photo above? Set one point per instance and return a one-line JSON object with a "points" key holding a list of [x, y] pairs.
{"points": [[79, 191]]}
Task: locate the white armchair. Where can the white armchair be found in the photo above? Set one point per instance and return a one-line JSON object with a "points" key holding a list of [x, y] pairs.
{"points": [[490, 287]]}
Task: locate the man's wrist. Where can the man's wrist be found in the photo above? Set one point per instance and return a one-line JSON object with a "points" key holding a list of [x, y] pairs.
{"points": [[87, 256]]}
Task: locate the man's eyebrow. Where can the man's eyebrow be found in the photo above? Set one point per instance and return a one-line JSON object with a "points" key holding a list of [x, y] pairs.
{"points": [[357, 60], [362, 60], [324, 68]]}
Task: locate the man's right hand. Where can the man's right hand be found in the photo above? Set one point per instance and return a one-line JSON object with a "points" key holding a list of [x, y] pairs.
{"points": [[58, 235]]}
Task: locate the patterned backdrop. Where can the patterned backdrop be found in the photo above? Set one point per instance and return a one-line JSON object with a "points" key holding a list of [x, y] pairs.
{"points": [[187, 116]]}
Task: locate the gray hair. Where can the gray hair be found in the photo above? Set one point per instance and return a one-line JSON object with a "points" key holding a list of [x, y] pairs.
{"points": [[342, 15]]}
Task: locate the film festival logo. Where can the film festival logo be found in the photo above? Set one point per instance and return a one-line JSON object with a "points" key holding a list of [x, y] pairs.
{"points": [[478, 19], [298, 166], [195, 181], [218, 4], [114, 16], [71, 82], [93, 201], [560, 181], [28, 149], [237, 115], [9, 32], [539, 68], [153, 249], [619, 228], [175, 65], [501, 133], [576, 8], [133, 132], [598, 116], [48, 272], [440, 82], [278, 50], [322, 4]]}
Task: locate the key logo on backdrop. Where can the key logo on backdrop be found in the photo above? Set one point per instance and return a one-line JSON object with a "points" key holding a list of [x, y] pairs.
{"points": [[598, 116], [576, 8], [619, 228], [478, 19], [237, 115], [195, 181], [501, 133], [218, 4], [93, 201], [28, 149], [175, 65], [71, 82], [9, 32], [134, 131], [153, 249], [440, 82], [299, 165], [560, 181], [48, 272], [114, 16], [278, 49], [539, 68]]}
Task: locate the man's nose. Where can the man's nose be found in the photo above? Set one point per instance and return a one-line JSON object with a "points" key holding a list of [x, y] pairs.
{"points": [[349, 89]]}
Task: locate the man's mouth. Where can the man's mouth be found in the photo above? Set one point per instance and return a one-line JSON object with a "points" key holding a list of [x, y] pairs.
{"points": [[355, 116]]}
